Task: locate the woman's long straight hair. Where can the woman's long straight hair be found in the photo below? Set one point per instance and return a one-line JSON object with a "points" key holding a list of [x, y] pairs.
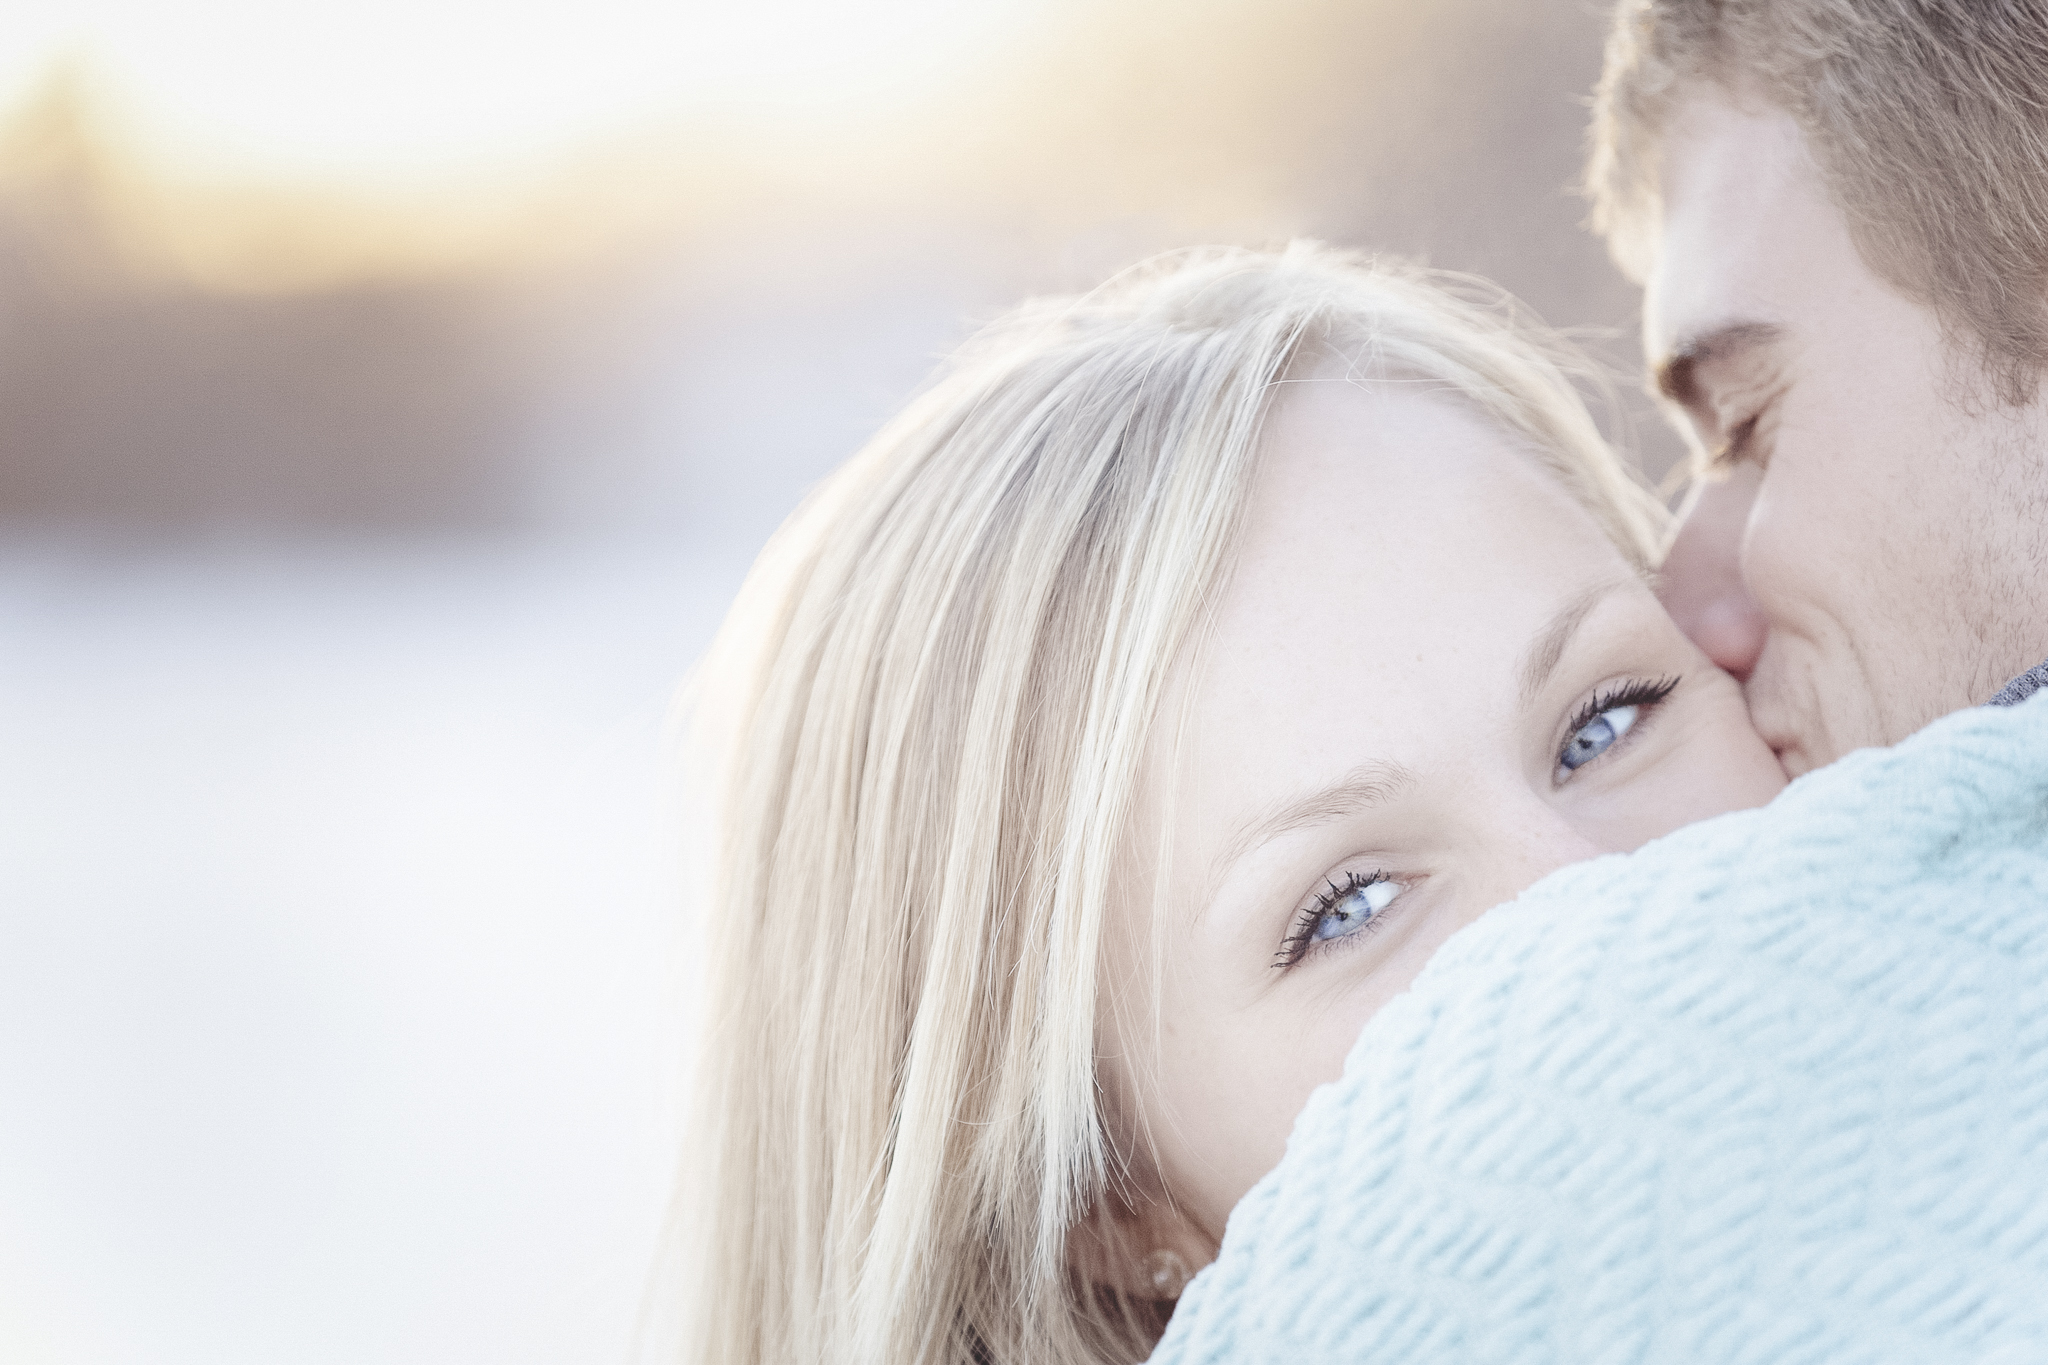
{"points": [[927, 713]]}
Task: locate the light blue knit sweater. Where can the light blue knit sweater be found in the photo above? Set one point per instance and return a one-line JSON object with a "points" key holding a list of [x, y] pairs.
{"points": [[1771, 1089]]}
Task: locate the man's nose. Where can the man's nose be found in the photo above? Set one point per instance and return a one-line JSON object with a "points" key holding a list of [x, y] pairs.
{"points": [[1701, 584]]}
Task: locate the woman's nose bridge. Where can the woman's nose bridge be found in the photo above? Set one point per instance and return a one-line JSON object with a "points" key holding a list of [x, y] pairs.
{"points": [[1532, 839], [1554, 841]]}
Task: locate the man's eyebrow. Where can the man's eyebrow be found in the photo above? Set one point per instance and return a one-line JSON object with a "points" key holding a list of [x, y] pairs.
{"points": [[1549, 644], [1366, 786], [1677, 374]]}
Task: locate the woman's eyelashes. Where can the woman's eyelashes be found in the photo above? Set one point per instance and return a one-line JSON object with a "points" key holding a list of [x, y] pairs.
{"points": [[1606, 719], [1357, 905]]}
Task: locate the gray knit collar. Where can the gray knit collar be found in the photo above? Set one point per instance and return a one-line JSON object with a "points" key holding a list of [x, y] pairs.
{"points": [[2022, 687]]}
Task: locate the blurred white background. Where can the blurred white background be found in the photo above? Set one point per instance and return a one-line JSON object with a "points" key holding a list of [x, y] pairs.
{"points": [[339, 1003], [391, 398]]}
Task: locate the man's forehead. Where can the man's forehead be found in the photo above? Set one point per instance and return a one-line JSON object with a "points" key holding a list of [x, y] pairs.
{"points": [[1739, 194]]}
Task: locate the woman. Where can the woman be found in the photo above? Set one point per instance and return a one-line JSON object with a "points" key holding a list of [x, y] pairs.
{"points": [[1104, 744]]}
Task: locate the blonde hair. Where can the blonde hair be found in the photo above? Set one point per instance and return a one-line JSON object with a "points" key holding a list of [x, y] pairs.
{"points": [[1929, 123], [931, 701]]}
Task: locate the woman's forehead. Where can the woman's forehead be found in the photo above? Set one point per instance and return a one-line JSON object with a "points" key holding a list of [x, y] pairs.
{"points": [[1400, 558], [1400, 507]]}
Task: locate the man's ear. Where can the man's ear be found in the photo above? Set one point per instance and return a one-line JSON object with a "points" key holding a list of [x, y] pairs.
{"points": [[1139, 1245]]}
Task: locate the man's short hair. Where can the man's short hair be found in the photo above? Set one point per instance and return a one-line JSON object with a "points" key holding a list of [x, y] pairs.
{"points": [[1929, 121]]}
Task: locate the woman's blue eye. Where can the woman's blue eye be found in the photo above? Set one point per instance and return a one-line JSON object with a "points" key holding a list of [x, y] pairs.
{"points": [[1354, 909], [1353, 906], [1597, 736]]}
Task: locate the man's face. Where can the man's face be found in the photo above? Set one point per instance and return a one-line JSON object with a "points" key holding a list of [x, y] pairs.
{"points": [[1874, 556]]}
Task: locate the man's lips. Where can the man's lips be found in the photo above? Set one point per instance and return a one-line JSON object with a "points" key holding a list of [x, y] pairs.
{"points": [[1777, 723], [1788, 746], [1791, 756]]}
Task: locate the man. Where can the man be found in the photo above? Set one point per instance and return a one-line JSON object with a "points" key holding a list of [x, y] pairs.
{"points": [[1839, 211]]}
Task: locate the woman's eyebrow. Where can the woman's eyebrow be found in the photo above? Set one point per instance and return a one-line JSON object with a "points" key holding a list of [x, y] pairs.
{"points": [[1550, 643], [1366, 786]]}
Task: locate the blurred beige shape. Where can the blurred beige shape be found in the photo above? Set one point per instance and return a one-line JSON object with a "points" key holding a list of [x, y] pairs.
{"points": [[180, 351]]}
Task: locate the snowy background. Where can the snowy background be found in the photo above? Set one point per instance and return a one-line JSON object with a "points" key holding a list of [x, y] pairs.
{"points": [[341, 1002]]}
